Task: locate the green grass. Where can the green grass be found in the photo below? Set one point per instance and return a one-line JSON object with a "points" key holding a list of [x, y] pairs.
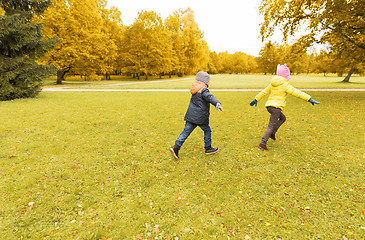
{"points": [[218, 81], [94, 165]]}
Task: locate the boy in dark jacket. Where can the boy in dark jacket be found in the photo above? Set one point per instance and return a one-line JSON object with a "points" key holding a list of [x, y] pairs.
{"points": [[198, 114]]}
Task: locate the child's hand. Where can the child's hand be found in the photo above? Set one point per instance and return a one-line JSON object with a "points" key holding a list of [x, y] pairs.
{"points": [[253, 102], [312, 101], [219, 106]]}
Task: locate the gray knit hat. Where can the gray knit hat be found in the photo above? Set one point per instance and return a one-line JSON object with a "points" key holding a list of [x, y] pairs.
{"points": [[203, 77]]}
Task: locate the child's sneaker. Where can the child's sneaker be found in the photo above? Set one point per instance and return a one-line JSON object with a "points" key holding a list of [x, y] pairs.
{"points": [[210, 150], [263, 146], [175, 151]]}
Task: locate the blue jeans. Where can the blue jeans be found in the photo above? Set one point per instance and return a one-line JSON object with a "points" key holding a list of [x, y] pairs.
{"points": [[189, 128]]}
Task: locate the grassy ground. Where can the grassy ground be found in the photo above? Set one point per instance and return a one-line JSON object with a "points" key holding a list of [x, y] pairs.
{"points": [[95, 165], [218, 81]]}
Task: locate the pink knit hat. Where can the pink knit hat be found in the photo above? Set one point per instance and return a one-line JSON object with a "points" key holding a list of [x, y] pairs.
{"points": [[283, 71]]}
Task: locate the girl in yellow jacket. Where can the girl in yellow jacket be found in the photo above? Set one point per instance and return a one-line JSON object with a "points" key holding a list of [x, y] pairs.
{"points": [[278, 89]]}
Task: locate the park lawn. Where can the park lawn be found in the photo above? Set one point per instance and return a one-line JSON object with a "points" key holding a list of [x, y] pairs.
{"points": [[225, 81], [96, 165]]}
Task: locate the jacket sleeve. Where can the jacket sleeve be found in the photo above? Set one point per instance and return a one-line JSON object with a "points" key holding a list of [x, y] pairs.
{"points": [[207, 96], [263, 93], [297, 93]]}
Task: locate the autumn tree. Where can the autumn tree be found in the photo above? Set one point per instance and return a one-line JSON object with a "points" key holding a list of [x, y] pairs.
{"points": [[339, 23], [226, 62], [251, 64], [323, 63], [242, 63], [146, 46], [214, 63], [189, 49], [112, 29], [21, 43], [268, 58], [84, 47], [294, 56], [202, 57]]}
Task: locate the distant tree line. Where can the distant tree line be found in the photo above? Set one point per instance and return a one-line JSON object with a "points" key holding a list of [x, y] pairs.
{"points": [[94, 42], [302, 60], [84, 37]]}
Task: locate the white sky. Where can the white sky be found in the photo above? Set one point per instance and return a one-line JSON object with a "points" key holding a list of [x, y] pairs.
{"points": [[228, 25]]}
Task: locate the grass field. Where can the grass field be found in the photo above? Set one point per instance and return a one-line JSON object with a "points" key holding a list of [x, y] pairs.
{"points": [[96, 165], [218, 82]]}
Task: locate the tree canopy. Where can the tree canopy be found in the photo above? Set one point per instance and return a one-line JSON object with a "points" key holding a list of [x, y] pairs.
{"points": [[191, 52], [87, 33], [146, 45]]}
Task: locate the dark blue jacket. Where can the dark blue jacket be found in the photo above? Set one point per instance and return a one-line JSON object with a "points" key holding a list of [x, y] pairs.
{"points": [[199, 106]]}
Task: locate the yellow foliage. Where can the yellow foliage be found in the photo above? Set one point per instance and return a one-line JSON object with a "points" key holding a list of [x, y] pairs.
{"points": [[190, 49], [85, 30]]}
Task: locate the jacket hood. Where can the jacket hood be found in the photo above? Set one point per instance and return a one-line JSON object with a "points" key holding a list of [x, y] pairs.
{"points": [[196, 87], [278, 80]]}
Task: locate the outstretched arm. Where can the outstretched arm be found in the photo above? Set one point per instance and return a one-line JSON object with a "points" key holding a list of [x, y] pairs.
{"points": [[297, 93], [263, 93], [259, 96], [210, 98]]}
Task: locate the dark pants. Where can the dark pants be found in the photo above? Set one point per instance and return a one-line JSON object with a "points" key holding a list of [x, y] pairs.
{"points": [[277, 118], [189, 128]]}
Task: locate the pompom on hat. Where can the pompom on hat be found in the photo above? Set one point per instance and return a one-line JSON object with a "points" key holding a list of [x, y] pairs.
{"points": [[283, 71], [203, 77]]}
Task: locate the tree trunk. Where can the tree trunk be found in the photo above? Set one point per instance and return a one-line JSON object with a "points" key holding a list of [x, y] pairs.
{"points": [[59, 77], [347, 78]]}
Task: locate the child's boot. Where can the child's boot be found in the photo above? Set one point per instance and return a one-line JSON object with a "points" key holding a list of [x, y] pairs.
{"points": [[210, 150], [175, 151], [263, 146]]}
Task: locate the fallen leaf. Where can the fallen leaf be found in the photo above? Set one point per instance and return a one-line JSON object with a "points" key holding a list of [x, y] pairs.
{"points": [[31, 205]]}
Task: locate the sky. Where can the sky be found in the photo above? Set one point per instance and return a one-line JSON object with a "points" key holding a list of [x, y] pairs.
{"points": [[228, 25]]}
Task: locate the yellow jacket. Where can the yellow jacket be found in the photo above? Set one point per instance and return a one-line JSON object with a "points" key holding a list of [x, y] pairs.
{"points": [[278, 90]]}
